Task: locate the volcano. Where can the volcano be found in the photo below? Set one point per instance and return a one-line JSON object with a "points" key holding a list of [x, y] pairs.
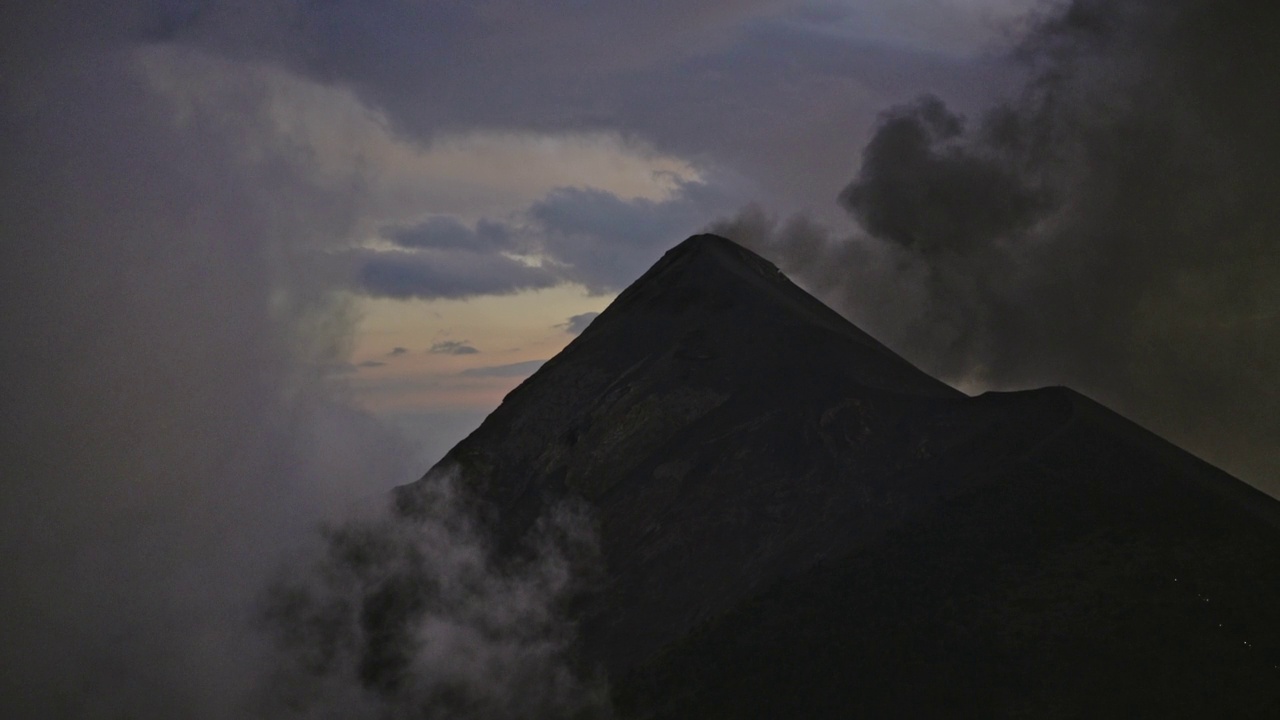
{"points": [[796, 522]]}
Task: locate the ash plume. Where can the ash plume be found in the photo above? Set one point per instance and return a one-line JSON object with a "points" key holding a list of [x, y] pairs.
{"points": [[1113, 227]]}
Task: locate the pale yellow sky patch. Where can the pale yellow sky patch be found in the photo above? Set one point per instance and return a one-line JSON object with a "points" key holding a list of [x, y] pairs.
{"points": [[504, 329]]}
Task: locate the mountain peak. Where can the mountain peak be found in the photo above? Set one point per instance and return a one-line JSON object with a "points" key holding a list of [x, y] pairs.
{"points": [[721, 249], [795, 522], [707, 253], [714, 293], [698, 259], [707, 241]]}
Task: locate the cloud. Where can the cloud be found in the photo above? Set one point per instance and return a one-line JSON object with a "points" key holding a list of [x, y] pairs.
{"points": [[397, 351], [756, 88], [409, 615], [520, 369], [587, 236], [444, 232], [178, 235], [371, 364], [605, 242], [959, 27], [453, 347], [173, 424], [760, 101], [429, 275], [1109, 228], [576, 324], [921, 187]]}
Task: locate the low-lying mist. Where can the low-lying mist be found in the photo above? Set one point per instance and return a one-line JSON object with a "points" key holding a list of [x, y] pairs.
{"points": [[413, 615]]}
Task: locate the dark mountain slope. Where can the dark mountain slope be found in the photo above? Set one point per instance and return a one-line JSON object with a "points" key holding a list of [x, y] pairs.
{"points": [[794, 519], [1081, 579]]}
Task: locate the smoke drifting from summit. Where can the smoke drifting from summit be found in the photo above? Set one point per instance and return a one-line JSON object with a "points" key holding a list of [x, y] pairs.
{"points": [[1113, 227]]}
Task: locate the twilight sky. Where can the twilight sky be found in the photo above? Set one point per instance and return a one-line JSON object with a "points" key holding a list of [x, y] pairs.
{"points": [[264, 260]]}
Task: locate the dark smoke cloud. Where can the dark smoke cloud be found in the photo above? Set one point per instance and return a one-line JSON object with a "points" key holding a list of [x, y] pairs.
{"points": [[413, 616], [920, 186], [1113, 228]]}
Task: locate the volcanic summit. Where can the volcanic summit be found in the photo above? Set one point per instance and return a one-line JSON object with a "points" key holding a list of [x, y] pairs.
{"points": [[794, 521]]}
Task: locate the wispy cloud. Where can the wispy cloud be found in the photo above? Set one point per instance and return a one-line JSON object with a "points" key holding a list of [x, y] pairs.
{"points": [[576, 324], [453, 347]]}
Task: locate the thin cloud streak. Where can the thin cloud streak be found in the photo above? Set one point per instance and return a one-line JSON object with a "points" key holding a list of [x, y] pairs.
{"points": [[453, 347], [576, 324]]}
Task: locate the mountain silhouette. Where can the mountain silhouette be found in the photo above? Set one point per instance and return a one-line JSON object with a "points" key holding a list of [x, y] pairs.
{"points": [[796, 522]]}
